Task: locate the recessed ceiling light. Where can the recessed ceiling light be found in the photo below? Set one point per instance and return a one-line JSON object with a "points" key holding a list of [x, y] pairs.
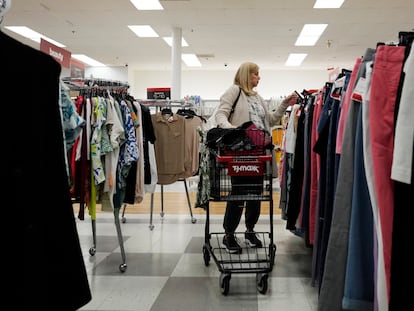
{"points": [[170, 39], [328, 4], [295, 59], [32, 35], [190, 60], [87, 60], [310, 34], [147, 4], [143, 31]]}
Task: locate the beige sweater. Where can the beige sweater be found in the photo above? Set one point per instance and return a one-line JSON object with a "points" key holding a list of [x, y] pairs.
{"points": [[241, 112]]}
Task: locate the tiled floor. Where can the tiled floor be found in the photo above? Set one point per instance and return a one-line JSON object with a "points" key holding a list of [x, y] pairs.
{"points": [[166, 269]]}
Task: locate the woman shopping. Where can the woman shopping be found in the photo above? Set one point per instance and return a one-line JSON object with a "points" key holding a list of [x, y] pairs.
{"points": [[249, 106]]}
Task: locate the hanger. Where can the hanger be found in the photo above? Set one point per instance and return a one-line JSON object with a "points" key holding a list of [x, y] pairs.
{"points": [[406, 38], [300, 98], [166, 111]]}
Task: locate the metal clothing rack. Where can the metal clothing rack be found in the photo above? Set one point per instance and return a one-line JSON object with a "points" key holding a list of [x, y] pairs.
{"points": [[86, 85], [159, 104]]}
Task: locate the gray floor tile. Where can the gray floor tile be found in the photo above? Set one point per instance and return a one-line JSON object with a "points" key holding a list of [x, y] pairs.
{"points": [[203, 294], [153, 264], [166, 269]]}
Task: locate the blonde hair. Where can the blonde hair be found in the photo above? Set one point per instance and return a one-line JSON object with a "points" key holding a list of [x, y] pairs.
{"points": [[242, 77]]}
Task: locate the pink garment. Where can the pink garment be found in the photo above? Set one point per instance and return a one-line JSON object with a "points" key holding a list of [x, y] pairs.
{"points": [[385, 80], [314, 169], [345, 106]]}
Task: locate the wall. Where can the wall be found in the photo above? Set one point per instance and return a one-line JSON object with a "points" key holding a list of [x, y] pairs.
{"points": [[211, 84], [108, 73]]}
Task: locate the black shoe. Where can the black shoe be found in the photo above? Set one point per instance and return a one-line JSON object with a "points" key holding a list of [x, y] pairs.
{"points": [[230, 242], [252, 239]]}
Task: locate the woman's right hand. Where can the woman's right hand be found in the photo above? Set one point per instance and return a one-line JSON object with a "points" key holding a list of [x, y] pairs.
{"points": [[291, 99]]}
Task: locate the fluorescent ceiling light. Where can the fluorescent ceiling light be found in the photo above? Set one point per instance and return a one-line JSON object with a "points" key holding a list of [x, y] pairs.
{"points": [[170, 39], [295, 59], [143, 31], [328, 4], [190, 60], [87, 60], [310, 34], [32, 35], [147, 4]]}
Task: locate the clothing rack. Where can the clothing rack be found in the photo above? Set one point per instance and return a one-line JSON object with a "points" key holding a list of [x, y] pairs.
{"points": [[92, 88], [92, 82], [161, 104]]}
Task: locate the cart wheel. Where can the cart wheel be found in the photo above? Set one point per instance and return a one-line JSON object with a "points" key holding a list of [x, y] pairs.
{"points": [[151, 227], [122, 267], [262, 283], [206, 256], [123, 220], [193, 220], [225, 283], [92, 251]]}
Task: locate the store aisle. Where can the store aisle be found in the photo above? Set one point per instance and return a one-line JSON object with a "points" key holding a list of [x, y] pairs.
{"points": [[166, 270]]}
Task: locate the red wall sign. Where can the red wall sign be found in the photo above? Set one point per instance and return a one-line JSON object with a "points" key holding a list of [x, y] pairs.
{"points": [[61, 55]]}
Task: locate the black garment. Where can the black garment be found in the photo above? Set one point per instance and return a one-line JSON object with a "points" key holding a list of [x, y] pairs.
{"points": [[295, 191], [245, 137], [49, 273], [148, 136], [402, 255], [242, 185], [307, 150]]}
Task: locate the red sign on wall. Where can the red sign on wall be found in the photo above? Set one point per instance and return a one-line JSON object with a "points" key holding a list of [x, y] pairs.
{"points": [[61, 55], [159, 93]]}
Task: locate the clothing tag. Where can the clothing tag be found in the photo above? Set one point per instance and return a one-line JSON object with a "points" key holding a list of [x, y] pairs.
{"points": [[337, 87], [359, 89]]}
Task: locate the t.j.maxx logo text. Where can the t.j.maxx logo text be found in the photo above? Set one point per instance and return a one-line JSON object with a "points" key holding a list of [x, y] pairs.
{"points": [[245, 169]]}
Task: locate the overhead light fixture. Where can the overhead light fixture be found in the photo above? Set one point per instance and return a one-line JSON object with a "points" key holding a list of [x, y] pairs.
{"points": [[190, 60], [143, 31], [170, 39], [295, 59], [143, 5], [87, 60], [328, 4], [310, 34], [32, 35]]}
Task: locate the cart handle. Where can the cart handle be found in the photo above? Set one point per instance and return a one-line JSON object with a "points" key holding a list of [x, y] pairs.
{"points": [[261, 158]]}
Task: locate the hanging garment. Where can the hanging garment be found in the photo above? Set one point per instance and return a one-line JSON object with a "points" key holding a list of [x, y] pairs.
{"points": [[37, 185]]}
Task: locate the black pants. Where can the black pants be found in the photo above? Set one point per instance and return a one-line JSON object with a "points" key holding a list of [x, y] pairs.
{"points": [[234, 209]]}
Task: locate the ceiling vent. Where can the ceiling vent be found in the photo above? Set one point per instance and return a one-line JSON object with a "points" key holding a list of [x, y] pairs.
{"points": [[205, 56]]}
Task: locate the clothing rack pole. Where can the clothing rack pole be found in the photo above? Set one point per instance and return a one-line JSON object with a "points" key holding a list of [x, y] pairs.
{"points": [[193, 220], [123, 265], [92, 250]]}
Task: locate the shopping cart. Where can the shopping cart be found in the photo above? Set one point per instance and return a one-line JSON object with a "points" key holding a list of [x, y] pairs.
{"points": [[253, 160]]}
